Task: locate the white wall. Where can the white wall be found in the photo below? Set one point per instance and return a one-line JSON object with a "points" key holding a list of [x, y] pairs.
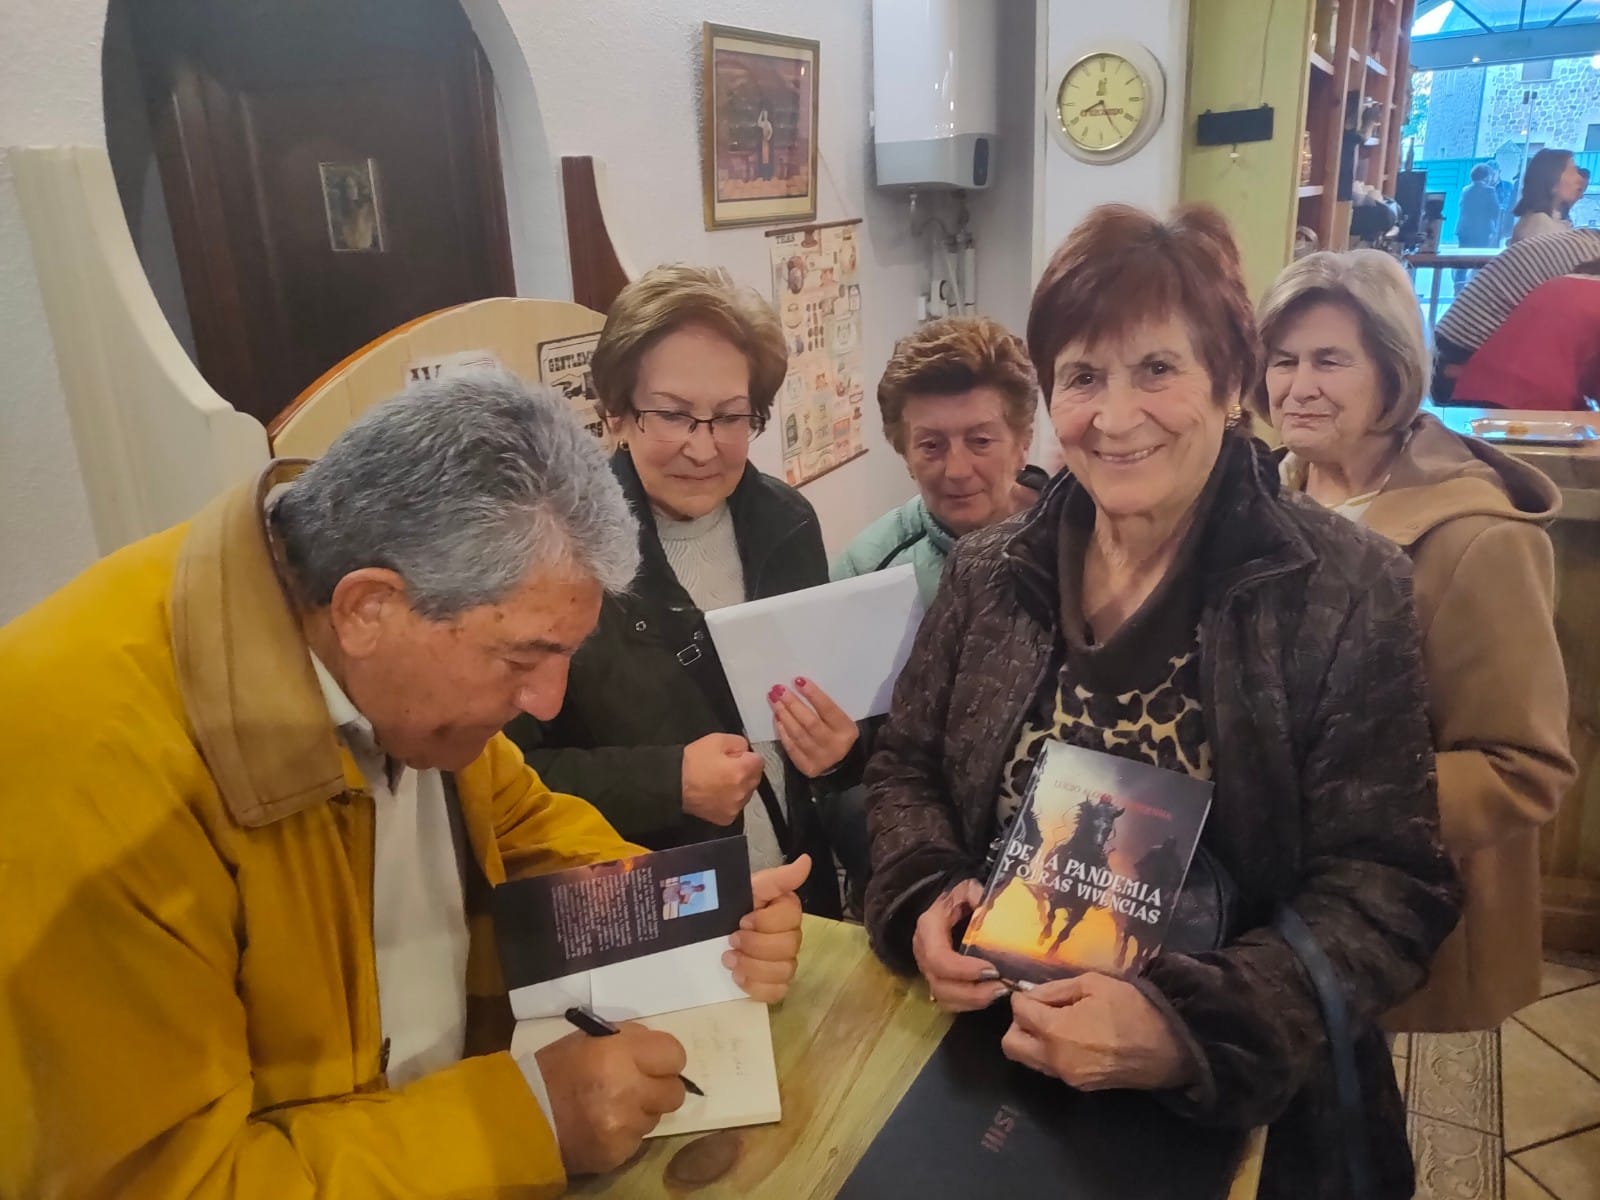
{"points": [[620, 80], [1150, 178], [1002, 215], [49, 95]]}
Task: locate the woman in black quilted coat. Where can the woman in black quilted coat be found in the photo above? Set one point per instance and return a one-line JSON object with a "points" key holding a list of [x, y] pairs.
{"points": [[1165, 601]]}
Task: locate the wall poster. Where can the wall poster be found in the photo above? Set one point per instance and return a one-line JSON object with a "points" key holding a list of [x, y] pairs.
{"points": [[818, 301], [564, 365]]}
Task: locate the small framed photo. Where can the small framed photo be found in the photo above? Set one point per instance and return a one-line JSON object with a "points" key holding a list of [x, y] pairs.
{"points": [[758, 128], [350, 198]]}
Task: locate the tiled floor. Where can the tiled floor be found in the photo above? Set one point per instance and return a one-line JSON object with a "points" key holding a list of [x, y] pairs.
{"points": [[1515, 1114]]}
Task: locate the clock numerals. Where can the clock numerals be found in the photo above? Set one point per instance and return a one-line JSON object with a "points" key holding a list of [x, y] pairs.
{"points": [[1103, 104]]}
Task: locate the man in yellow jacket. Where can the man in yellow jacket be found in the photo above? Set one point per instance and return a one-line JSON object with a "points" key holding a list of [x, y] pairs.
{"points": [[254, 794]]}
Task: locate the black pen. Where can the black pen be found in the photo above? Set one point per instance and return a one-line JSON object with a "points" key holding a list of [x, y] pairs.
{"points": [[597, 1026]]}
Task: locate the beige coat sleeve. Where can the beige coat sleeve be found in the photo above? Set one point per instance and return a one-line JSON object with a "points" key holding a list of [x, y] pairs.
{"points": [[1498, 689]]}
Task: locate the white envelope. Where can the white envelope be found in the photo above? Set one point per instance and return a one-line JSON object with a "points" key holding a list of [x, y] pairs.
{"points": [[851, 638]]}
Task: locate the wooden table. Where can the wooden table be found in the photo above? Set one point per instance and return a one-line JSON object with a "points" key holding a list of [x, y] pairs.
{"points": [[1462, 259], [849, 1040], [1570, 844]]}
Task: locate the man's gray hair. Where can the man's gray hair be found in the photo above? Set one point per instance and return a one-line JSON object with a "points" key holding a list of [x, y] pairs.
{"points": [[460, 485]]}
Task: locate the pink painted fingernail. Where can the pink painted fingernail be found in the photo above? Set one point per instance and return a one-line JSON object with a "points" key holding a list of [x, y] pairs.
{"points": [[776, 693], [800, 681]]}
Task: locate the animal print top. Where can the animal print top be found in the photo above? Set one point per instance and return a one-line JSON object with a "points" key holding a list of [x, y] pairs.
{"points": [[1136, 695], [1161, 725]]}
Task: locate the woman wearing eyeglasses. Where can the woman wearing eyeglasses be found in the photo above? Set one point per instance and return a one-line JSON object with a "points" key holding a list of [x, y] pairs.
{"points": [[686, 370]]}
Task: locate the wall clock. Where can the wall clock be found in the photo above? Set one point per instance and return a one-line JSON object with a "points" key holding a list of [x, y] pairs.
{"points": [[1106, 102]]}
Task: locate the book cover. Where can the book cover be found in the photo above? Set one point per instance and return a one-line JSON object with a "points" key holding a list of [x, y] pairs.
{"points": [[974, 1123], [629, 937], [1090, 869]]}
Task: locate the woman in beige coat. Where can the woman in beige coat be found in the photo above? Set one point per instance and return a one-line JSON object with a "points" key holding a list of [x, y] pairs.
{"points": [[1346, 369]]}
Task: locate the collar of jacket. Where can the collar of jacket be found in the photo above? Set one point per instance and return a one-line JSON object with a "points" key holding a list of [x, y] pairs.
{"points": [[250, 693], [1247, 537], [765, 514]]}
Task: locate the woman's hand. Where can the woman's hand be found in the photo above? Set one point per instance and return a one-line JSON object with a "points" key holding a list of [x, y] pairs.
{"points": [[764, 953], [817, 735], [957, 982], [1094, 1032]]}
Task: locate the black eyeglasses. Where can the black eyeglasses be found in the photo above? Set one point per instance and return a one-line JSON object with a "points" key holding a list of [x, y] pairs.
{"points": [[669, 425]]}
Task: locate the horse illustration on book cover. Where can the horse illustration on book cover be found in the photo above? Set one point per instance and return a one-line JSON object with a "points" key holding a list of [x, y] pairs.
{"points": [[1090, 868]]}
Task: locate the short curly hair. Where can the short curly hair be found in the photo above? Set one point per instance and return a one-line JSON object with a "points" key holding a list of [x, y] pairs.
{"points": [[668, 298], [954, 355], [1122, 267]]}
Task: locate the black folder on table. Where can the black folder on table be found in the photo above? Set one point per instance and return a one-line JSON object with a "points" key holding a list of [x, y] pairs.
{"points": [[974, 1123]]}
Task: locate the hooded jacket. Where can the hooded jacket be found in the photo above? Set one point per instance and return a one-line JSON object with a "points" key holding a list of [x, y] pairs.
{"points": [[188, 982], [1472, 519]]}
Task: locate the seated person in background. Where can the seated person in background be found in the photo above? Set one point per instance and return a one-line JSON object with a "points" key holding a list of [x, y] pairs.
{"points": [[1167, 602], [1483, 305], [1546, 355], [686, 370], [255, 798], [1345, 371], [1551, 185], [958, 400]]}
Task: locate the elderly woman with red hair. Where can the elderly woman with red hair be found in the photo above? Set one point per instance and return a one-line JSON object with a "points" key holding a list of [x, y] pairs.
{"points": [[1166, 601]]}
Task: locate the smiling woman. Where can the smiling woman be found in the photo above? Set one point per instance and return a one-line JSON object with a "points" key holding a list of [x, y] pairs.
{"points": [[1167, 603], [686, 370]]}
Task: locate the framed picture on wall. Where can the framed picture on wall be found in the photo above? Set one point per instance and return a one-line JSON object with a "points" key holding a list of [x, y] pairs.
{"points": [[758, 128]]}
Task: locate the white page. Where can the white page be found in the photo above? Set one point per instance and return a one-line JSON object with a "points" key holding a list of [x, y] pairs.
{"points": [[728, 1052], [683, 977], [850, 637]]}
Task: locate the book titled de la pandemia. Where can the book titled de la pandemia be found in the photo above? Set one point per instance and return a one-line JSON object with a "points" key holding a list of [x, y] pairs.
{"points": [[1091, 867]]}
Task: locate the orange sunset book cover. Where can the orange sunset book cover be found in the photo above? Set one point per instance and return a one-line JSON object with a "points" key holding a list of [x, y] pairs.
{"points": [[1091, 867]]}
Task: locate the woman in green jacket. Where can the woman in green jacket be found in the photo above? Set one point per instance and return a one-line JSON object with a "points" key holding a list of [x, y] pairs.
{"points": [[958, 399]]}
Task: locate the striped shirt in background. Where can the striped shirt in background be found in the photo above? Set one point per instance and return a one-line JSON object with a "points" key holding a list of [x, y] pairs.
{"points": [[1483, 305]]}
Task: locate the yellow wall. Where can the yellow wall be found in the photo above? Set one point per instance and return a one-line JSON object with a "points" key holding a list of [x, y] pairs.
{"points": [[1256, 190]]}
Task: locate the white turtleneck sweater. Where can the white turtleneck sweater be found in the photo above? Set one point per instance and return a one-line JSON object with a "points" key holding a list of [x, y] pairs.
{"points": [[705, 557]]}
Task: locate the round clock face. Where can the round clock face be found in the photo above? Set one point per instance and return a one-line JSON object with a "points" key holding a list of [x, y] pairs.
{"points": [[1102, 101]]}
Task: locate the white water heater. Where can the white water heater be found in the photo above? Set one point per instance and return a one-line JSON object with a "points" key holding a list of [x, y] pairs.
{"points": [[934, 92]]}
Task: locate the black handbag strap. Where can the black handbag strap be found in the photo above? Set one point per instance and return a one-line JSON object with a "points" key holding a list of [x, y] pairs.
{"points": [[1341, 1045], [900, 549]]}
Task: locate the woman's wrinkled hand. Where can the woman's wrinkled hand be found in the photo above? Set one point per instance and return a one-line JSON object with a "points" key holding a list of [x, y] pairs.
{"points": [[1095, 1032], [814, 731], [956, 982]]}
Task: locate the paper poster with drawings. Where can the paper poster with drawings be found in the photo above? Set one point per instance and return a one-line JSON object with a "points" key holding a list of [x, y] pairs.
{"points": [[564, 365], [818, 300]]}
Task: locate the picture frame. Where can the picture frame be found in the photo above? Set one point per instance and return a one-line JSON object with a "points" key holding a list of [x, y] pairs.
{"points": [[758, 124], [351, 204]]}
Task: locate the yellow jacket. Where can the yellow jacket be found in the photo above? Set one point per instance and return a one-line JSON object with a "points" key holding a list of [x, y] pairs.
{"points": [[188, 986]]}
